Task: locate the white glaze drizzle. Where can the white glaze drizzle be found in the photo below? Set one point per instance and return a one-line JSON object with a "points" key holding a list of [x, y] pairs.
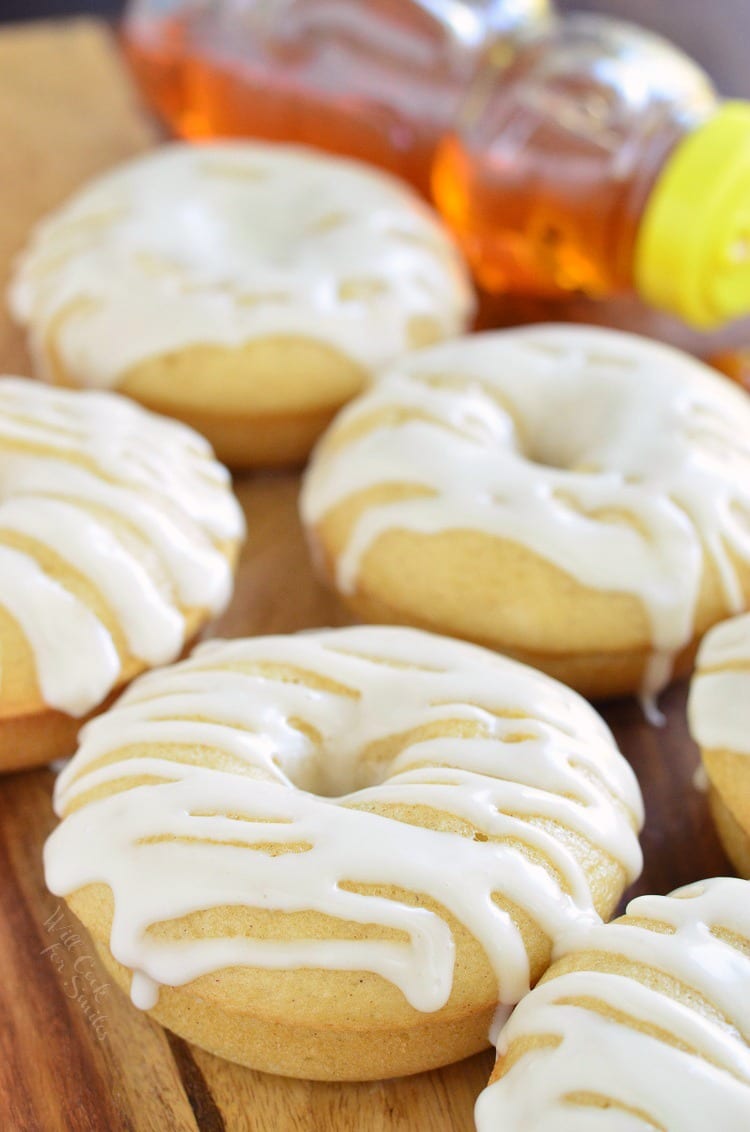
{"points": [[225, 243], [67, 461], [700, 780], [502, 1013], [719, 700], [553, 760], [538, 435], [660, 1085]]}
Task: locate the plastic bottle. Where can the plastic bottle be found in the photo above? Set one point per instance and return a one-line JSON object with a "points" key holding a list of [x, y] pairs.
{"points": [[375, 79], [598, 158]]}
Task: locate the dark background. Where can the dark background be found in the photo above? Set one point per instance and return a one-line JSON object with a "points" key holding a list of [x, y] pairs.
{"points": [[715, 32]]}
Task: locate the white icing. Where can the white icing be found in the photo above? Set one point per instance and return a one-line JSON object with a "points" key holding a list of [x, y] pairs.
{"points": [[651, 710], [660, 1085], [502, 1013], [144, 991], [719, 700], [701, 781], [225, 243], [67, 460], [538, 435], [727, 643], [543, 756]]}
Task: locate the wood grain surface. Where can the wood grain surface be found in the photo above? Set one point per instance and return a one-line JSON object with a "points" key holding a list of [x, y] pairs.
{"points": [[75, 1056]]}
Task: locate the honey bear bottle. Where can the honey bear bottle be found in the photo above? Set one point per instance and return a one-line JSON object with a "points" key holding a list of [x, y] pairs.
{"points": [[380, 80], [598, 158]]}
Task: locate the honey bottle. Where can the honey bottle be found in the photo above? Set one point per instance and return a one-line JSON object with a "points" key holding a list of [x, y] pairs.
{"points": [[735, 363], [598, 158], [379, 80]]}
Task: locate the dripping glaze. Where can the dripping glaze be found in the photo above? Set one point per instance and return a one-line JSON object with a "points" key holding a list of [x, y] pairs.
{"points": [[531, 435], [540, 755], [692, 1067], [68, 461]]}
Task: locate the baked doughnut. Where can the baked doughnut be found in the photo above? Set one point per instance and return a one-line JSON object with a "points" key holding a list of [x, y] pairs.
{"points": [[118, 533], [641, 1024], [249, 289], [354, 841], [577, 498], [719, 717]]}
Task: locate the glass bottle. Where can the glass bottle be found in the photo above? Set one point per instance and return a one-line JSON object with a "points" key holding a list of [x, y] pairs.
{"points": [[735, 363], [598, 158], [375, 79]]}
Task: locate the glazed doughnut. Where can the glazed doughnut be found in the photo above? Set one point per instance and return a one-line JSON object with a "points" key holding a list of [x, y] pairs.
{"points": [[641, 1024], [719, 717], [249, 289], [118, 534], [577, 498], [327, 855]]}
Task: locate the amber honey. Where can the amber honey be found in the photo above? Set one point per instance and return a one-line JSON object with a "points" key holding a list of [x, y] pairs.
{"points": [[735, 364], [585, 156], [561, 220], [380, 82], [547, 174]]}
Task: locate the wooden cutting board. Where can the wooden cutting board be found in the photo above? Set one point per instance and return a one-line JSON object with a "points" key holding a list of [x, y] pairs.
{"points": [[66, 111]]}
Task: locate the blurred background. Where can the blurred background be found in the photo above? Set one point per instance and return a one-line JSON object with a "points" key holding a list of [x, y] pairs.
{"points": [[715, 32]]}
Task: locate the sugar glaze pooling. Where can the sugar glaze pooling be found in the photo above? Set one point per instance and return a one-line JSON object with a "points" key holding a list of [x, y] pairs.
{"points": [[132, 503], [542, 758], [549, 436], [650, 1081]]}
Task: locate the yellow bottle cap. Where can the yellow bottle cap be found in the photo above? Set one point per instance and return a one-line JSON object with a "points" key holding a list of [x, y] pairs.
{"points": [[692, 254]]}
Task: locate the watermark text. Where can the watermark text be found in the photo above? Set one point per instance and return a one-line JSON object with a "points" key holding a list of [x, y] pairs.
{"points": [[78, 969]]}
